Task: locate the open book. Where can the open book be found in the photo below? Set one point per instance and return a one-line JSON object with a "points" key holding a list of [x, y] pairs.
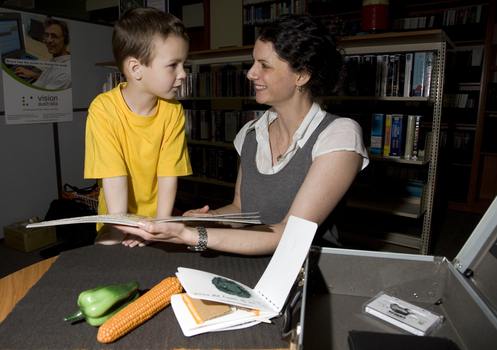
{"points": [[248, 306], [132, 219]]}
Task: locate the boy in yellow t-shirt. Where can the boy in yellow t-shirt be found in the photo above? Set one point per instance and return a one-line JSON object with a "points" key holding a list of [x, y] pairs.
{"points": [[135, 133]]}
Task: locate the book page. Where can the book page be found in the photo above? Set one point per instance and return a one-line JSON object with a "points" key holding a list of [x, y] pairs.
{"points": [[208, 286], [284, 267], [132, 219]]}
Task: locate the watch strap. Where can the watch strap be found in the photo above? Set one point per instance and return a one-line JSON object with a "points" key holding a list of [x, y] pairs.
{"points": [[202, 240]]}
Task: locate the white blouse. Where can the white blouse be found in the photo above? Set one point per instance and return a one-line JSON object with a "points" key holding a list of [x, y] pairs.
{"points": [[343, 134]]}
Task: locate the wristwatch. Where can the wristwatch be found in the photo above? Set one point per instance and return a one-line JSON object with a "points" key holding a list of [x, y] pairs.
{"points": [[202, 240]]}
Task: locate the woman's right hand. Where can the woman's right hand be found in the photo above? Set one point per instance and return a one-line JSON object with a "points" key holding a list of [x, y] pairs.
{"points": [[170, 232]]}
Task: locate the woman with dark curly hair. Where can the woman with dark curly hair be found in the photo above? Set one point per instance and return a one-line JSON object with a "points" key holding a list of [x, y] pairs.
{"points": [[297, 159]]}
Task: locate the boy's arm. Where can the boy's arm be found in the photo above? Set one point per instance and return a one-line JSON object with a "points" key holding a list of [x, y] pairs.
{"points": [[116, 194], [166, 196], [116, 198]]}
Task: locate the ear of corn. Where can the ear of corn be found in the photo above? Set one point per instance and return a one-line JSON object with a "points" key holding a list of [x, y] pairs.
{"points": [[139, 311]]}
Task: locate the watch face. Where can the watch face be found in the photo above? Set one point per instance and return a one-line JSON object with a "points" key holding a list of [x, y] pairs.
{"points": [[230, 287]]}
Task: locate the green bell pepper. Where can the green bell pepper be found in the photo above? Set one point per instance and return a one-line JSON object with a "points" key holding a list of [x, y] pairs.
{"points": [[99, 304]]}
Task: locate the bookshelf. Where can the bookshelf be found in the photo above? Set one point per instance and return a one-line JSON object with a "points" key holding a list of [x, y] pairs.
{"points": [[467, 168]]}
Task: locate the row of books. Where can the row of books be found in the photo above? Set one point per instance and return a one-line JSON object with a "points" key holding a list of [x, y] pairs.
{"points": [[396, 179], [397, 75], [221, 83], [396, 135], [113, 79], [213, 162], [461, 16], [217, 125], [464, 99], [458, 145], [491, 103], [268, 12]]}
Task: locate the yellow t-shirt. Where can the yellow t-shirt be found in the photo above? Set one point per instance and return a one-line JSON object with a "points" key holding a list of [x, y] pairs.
{"points": [[122, 143]]}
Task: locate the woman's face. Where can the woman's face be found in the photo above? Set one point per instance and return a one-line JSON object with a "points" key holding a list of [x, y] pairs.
{"points": [[275, 83]]}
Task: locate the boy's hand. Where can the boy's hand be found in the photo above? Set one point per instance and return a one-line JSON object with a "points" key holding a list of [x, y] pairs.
{"points": [[133, 241], [114, 236]]}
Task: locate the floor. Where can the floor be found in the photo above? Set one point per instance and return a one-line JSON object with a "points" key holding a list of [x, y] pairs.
{"points": [[451, 229]]}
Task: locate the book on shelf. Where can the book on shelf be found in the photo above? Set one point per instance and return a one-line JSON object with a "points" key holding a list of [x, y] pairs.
{"points": [[133, 219], [408, 75], [409, 137], [368, 75], [205, 125], [387, 136], [353, 75], [230, 125], [397, 141], [217, 303], [377, 130], [392, 76], [379, 69], [416, 139], [430, 59], [385, 70], [398, 88], [418, 74]]}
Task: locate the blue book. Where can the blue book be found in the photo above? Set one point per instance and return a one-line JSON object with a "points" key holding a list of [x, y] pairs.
{"points": [[397, 134], [377, 133], [418, 74]]}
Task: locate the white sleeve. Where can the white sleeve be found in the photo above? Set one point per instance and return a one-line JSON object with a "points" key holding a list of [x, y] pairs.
{"points": [[343, 134]]}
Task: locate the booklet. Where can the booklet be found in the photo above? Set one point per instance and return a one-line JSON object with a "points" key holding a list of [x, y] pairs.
{"points": [[248, 306], [132, 219]]}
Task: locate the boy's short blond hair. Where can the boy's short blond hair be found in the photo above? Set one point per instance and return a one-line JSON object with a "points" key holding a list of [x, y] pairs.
{"points": [[137, 32]]}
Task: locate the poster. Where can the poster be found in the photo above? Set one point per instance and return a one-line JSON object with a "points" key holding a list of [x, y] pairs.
{"points": [[36, 69]]}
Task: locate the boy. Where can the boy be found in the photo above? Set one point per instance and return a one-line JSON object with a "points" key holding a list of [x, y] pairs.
{"points": [[135, 133]]}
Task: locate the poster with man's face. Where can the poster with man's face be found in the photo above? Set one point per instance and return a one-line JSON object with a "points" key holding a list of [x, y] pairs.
{"points": [[36, 68]]}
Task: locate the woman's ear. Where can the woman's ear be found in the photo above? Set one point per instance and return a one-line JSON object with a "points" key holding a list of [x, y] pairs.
{"points": [[303, 78], [133, 68]]}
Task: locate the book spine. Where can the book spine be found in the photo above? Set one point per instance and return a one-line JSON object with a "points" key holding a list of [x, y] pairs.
{"points": [[378, 76], [377, 133], [230, 126], [397, 136], [430, 58], [205, 125], [415, 142], [408, 75], [384, 75], [392, 76], [188, 124], [409, 137], [387, 137], [219, 126], [368, 74], [353, 75], [418, 76], [401, 68], [213, 125]]}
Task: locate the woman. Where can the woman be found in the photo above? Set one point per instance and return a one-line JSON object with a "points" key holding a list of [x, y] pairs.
{"points": [[296, 159]]}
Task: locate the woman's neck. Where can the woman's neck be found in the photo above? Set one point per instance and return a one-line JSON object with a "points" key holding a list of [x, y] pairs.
{"points": [[291, 116]]}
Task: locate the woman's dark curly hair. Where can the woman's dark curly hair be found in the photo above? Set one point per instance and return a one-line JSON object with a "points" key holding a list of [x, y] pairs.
{"points": [[308, 45]]}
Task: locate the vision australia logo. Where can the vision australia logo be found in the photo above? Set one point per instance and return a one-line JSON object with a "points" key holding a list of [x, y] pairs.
{"points": [[25, 102], [47, 101], [43, 101]]}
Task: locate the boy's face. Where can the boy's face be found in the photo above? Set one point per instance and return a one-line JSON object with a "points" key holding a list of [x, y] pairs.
{"points": [[166, 72]]}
